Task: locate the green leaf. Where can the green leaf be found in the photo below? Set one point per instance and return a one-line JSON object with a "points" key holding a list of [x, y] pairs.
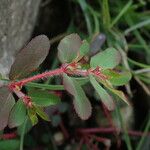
{"points": [[105, 97], [81, 103], [107, 59], [28, 127], [30, 57], [84, 48], [7, 101], [17, 114], [9, 144], [120, 94], [118, 79], [43, 98], [116, 92], [41, 113], [33, 116], [69, 47]]}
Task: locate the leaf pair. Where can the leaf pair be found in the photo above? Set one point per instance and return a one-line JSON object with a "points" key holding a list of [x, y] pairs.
{"points": [[27, 60]]}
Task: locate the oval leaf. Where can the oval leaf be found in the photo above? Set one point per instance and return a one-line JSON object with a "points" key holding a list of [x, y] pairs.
{"points": [[43, 98], [6, 103], [68, 48], [30, 57], [17, 114], [105, 97], [107, 59], [81, 103], [118, 79], [84, 48]]}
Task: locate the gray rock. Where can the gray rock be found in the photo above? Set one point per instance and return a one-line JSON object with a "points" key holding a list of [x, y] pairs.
{"points": [[17, 19]]}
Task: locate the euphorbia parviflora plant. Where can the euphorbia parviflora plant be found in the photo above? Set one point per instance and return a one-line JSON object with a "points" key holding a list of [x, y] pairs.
{"points": [[78, 68]]}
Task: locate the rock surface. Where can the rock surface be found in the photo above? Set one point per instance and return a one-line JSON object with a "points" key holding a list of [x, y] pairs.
{"points": [[17, 19]]}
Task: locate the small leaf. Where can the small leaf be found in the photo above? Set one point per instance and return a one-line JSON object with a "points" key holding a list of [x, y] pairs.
{"points": [[68, 48], [33, 116], [118, 79], [107, 59], [7, 101], [9, 144], [105, 97], [43, 98], [96, 43], [17, 114], [120, 94], [116, 92], [81, 103], [30, 57], [84, 48], [41, 113]]}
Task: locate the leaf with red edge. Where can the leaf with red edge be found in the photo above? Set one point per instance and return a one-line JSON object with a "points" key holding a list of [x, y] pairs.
{"points": [[107, 59], [69, 47], [30, 57], [105, 97], [6, 103], [81, 103]]}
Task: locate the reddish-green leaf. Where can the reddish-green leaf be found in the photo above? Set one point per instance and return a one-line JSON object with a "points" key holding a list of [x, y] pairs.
{"points": [[107, 59], [69, 47], [105, 97], [81, 103], [17, 114], [6, 103], [30, 57]]}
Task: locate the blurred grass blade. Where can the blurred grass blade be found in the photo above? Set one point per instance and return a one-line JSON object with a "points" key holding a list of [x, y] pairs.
{"points": [[147, 127], [138, 63], [126, 136], [121, 13], [137, 26], [106, 14], [84, 7]]}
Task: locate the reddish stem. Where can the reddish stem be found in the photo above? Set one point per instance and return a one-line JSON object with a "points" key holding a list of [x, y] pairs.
{"points": [[26, 99], [7, 136], [108, 130], [40, 76]]}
